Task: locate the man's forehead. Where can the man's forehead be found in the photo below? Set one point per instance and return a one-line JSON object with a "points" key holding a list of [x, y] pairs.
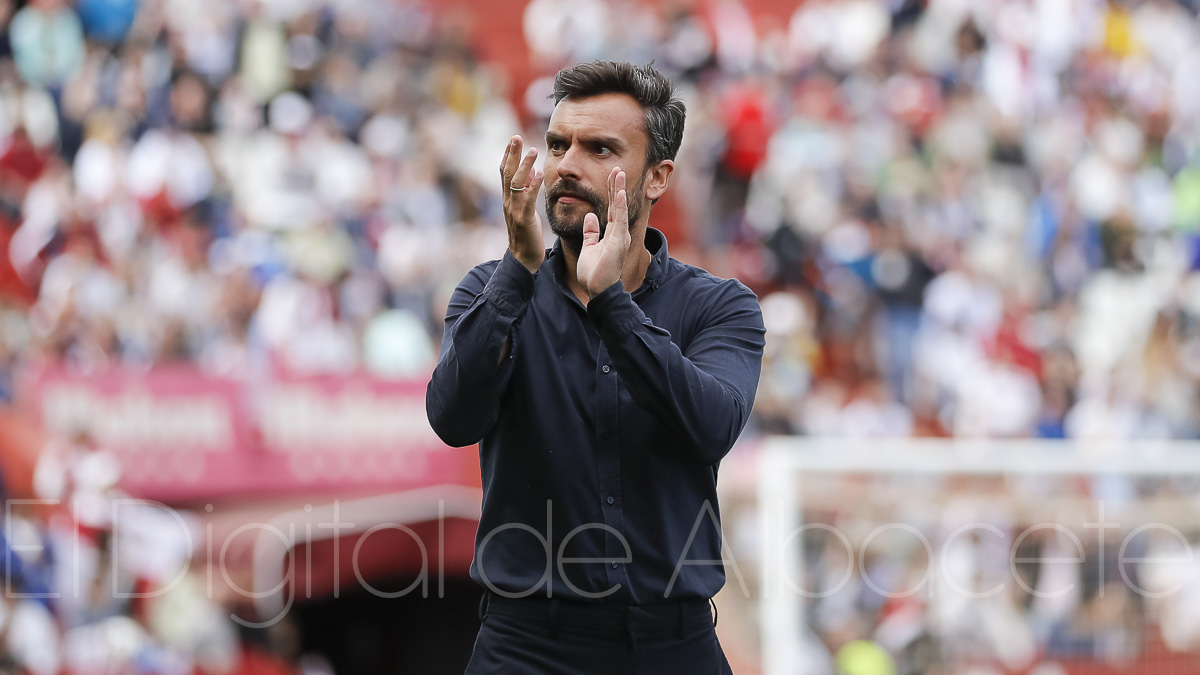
{"points": [[612, 114]]}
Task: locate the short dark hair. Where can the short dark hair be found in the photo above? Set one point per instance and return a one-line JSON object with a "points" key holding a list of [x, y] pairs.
{"points": [[664, 111]]}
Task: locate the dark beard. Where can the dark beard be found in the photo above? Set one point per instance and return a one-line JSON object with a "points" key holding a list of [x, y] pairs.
{"points": [[570, 230]]}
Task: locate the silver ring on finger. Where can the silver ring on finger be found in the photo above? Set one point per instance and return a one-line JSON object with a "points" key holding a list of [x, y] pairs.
{"points": [[518, 189]]}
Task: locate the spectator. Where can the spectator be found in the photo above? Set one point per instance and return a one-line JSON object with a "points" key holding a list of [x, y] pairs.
{"points": [[47, 43]]}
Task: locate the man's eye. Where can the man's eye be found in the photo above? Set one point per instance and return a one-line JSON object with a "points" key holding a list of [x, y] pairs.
{"points": [[603, 150], [555, 146]]}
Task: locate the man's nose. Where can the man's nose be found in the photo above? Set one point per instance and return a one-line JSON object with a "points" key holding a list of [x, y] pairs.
{"points": [[569, 165]]}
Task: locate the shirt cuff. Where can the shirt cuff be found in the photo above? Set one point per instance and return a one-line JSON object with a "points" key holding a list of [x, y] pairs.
{"points": [[511, 285], [614, 312]]}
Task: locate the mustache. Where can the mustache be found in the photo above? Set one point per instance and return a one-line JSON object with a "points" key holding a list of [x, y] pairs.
{"points": [[570, 188]]}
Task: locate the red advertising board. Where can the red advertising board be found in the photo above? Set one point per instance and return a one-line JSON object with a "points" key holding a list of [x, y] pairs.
{"points": [[185, 436]]}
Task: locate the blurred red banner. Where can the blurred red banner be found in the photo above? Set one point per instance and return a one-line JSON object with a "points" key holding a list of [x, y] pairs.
{"points": [[183, 436]]}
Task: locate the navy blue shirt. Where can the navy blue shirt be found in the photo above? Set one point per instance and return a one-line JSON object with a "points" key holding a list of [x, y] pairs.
{"points": [[601, 430]]}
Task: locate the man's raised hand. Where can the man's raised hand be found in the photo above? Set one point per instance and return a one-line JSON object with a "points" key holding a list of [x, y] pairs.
{"points": [[520, 188], [601, 261]]}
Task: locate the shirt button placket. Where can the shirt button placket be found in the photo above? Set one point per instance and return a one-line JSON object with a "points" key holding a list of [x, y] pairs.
{"points": [[610, 463], [606, 369]]}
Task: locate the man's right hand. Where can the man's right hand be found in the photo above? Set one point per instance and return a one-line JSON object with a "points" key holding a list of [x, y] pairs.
{"points": [[520, 188]]}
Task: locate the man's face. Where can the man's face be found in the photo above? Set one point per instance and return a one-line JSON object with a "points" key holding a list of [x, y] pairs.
{"points": [[586, 138]]}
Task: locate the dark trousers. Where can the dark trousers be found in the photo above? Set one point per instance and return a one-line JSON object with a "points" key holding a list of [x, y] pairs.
{"points": [[539, 636]]}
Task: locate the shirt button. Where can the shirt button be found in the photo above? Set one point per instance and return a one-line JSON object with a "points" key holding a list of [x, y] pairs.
{"points": [[607, 435], [611, 500], [604, 368], [614, 564], [524, 295]]}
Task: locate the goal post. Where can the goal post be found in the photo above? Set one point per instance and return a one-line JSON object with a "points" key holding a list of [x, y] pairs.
{"points": [[786, 463]]}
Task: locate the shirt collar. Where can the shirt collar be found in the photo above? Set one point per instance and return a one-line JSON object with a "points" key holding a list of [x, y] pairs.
{"points": [[656, 272]]}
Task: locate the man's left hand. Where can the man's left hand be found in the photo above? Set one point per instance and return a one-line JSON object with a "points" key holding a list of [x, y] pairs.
{"points": [[601, 261]]}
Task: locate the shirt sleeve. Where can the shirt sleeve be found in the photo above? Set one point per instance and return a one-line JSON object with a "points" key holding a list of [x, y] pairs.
{"points": [[463, 396], [703, 395]]}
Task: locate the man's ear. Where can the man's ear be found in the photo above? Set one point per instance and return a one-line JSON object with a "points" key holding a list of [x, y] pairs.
{"points": [[657, 179]]}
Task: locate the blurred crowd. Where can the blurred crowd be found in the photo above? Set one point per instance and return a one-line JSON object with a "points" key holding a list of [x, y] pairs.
{"points": [[247, 187], [962, 218], [984, 220]]}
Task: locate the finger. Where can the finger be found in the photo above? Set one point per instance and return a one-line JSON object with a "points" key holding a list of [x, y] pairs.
{"points": [[621, 200], [512, 154], [612, 191], [525, 170], [591, 230], [619, 226], [535, 184], [612, 233]]}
